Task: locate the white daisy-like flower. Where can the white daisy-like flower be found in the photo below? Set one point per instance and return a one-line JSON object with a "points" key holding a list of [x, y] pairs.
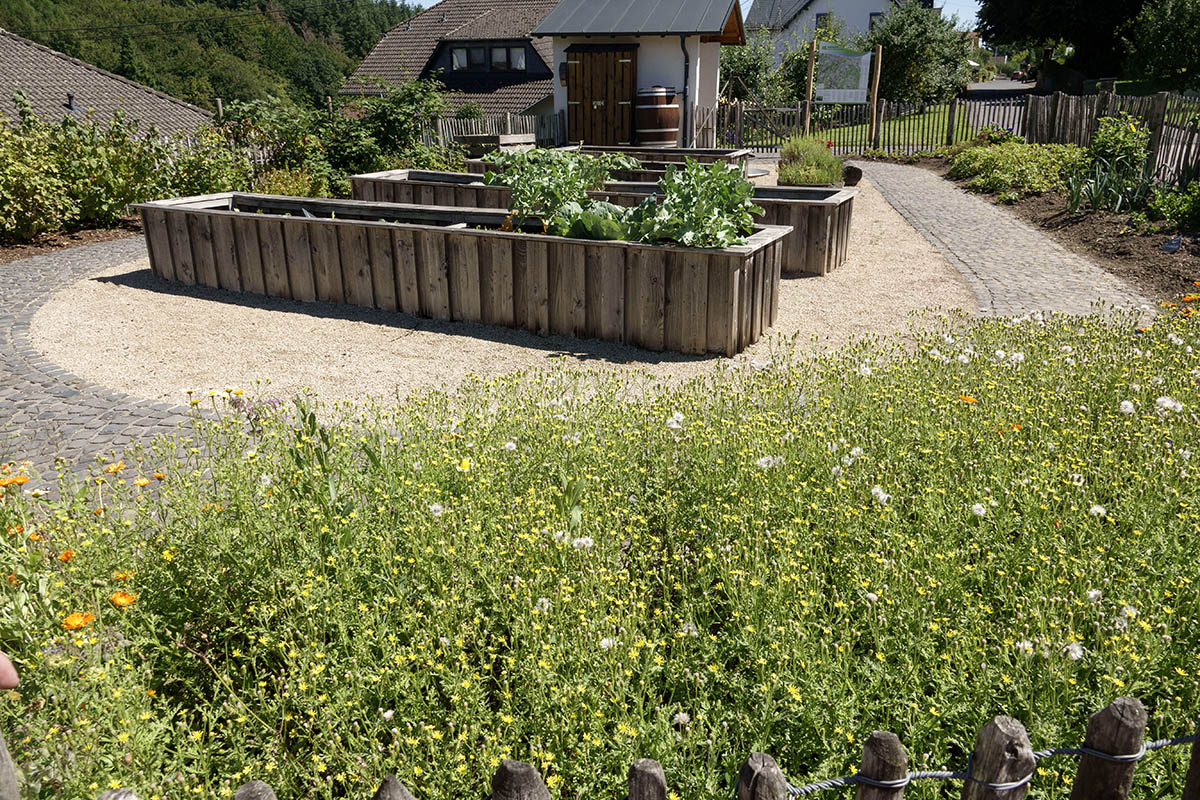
{"points": [[437, 509], [542, 604], [1126, 407], [979, 509], [1094, 595], [1130, 612], [608, 643], [675, 421], [681, 719], [583, 543], [1025, 647], [1098, 510], [880, 495]]}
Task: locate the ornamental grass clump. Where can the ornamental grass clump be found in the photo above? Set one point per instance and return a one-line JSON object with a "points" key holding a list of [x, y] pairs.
{"points": [[580, 569], [806, 160]]}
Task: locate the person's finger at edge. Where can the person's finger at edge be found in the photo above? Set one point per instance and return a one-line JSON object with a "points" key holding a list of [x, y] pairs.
{"points": [[8, 673]]}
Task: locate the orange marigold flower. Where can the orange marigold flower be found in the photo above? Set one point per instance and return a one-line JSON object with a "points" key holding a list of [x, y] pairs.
{"points": [[34, 536], [966, 398], [114, 468], [99, 512], [1191, 298], [13, 580], [75, 621], [122, 575], [66, 555], [14, 480], [158, 476], [13, 530], [139, 482], [122, 598]]}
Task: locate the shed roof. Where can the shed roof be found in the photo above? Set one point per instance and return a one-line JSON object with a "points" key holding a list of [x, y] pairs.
{"points": [[639, 17], [46, 77]]}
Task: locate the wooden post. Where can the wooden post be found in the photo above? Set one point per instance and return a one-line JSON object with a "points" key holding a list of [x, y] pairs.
{"points": [[254, 790], [760, 779], [951, 120], [883, 759], [647, 780], [1191, 787], [876, 63], [220, 110], [390, 789], [508, 122], [877, 137], [1158, 124], [1116, 730], [1002, 755], [808, 92], [1027, 124], [740, 130], [329, 106], [516, 780], [8, 775]]}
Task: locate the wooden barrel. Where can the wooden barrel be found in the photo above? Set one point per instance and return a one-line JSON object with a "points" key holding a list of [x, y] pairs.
{"points": [[657, 117]]}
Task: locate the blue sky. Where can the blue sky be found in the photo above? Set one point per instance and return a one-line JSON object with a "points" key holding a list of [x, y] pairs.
{"points": [[965, 9]]}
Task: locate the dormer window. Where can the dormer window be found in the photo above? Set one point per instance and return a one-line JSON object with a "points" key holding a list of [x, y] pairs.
{"points": [[495, 58]]}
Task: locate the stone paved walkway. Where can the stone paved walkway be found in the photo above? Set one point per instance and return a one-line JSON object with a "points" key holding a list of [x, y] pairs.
{"points": [[1012, 267], [45, 411]]}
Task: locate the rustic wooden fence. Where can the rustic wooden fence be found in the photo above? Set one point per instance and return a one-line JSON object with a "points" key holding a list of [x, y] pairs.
{"points": [[1002, 766], [549, 130], [1173, 119]]}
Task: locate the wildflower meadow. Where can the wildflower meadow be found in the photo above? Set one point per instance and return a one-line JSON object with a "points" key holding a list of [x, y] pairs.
{"points": [[579, 569]]}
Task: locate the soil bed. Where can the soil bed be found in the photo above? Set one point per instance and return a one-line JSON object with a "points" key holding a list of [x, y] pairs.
{"points": [[130, 226]]}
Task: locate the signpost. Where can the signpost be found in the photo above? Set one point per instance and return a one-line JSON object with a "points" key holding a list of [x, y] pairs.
{"points": [[843, 77]]}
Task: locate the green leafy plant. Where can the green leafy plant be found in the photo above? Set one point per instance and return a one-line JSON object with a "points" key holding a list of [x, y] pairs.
{"points": [[702, 205], [1110, 185], [542, 181], [1179, 207], [1014, 170], [207, 163], [1123, 141]]}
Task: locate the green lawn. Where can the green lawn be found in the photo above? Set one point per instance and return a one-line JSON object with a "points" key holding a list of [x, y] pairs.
{"points": [[578, 570]]}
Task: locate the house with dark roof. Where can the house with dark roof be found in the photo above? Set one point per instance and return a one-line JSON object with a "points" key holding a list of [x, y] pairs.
{"points": [[794, 21], [58, 86], [482, 50], [614, 59]]}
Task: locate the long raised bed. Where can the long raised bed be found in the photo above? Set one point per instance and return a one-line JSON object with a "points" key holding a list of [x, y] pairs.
{"points": [[819, 217], [455, 264], [648, 173], [670, 155]]}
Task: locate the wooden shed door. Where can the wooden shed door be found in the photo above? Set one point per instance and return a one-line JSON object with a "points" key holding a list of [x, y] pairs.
{"points": [[601, 88]]}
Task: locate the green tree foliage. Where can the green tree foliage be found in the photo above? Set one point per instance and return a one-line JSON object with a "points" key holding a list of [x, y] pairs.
{"points": [[1091, 26], [924, 54], [765, 71], [232, 49], [1177, 65]]}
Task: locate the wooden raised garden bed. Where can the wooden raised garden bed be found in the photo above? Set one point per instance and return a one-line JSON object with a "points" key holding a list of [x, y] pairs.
{"points": [[669, 155], [819, 217], [455, 264], [652, 173]]}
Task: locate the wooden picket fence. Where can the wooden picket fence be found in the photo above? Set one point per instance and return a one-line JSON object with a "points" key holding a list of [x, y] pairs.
{"points": [[1173, 119], [549, 130], [1002, 766]]}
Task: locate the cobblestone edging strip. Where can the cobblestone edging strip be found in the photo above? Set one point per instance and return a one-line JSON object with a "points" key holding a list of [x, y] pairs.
{"points": [[1012, 267], [45, 411]]}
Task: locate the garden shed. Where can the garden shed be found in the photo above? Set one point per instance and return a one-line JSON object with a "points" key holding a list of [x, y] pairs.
{"points": [[605, 51]]}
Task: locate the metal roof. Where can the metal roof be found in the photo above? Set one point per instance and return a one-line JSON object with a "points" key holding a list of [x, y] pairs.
{"points": [[637, 17]]}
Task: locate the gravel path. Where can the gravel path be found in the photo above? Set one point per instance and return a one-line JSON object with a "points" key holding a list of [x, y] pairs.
{"points": [[1012, 267], [46, 412], [124, 328]]}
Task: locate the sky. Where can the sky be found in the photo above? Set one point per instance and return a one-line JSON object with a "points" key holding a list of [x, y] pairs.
{"points": [[965, 9]]}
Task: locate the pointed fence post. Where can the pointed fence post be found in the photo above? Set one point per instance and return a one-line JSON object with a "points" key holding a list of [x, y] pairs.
{"points": [[647, 780], [1027, 124], [1002, 755], [1191, 787], [254, 790], [516, 780], [391, 789], [1117, 730], [760, 779], [883, 759], [951, 119], [1158, 124]]}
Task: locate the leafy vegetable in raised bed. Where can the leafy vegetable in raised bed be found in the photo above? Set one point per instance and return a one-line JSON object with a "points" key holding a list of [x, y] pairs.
{"points": [[543, 181]]}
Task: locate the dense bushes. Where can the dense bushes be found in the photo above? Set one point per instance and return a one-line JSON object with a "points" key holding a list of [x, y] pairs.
{"points": [[1013, 170], [1179, 207], [807, 160]]}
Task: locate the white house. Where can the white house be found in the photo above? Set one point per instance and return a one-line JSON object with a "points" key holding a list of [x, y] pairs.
{"points": [[604, 51], [795, 20]]}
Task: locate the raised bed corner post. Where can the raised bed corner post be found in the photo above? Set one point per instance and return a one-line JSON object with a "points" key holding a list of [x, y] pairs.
{"points": [[647, 781], [1117, 729], [1002, 755], [761, 779], [516, 780], [883, 759]]}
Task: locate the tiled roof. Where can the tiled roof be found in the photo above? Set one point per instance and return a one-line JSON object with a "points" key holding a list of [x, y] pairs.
{"points": [[46, 77], [636, 17], [404, 52]]}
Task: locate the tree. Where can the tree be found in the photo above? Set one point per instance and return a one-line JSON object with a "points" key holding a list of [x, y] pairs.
{"points": [[747, 71], [925, 56], [1092, 27], [1177, 66]]}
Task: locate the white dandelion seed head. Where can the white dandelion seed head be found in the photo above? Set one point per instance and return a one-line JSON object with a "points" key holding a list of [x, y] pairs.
{"points": [[681, 719], [561, 537], [1126, 407], [1094, 595], [437, 509], [880, 495], [583, 543], [608, 643], [1129, 611], [1017, 358], [689, 629], [542, 604], [872, 598], [1073, 651], [675, 421], [963, 358], [264, 480], [767, 462], [1025, 647], [1000, 355], [865, 370], [856, 452], [510, 445], [1075, 478], [388, 714], [1098, 511], [979, 509], [1169, 404]]}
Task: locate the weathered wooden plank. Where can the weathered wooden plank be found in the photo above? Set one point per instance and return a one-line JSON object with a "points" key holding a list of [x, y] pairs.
{"points": [[676, 301], [299, 260], [356, 266], [817, 244], [650, 300], [746, 302], [364, 189], [383, 271], [462, 253], [775, 254], [695, 292], [448, 196], [274, 258], [567, 289], [225, 254], [497, 283], [404, 192], [722, 300], [181, 247], [433, 278], [612, 293], [536, 295], [200, 231], [326, 263], [756, 296], [245, 234], [158, 235], [404, 261], [591, 291], [426, 194], [519, 268], [796, 245]]}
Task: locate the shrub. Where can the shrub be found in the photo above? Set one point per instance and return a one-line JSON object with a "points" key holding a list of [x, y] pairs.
{"points": [[291, 182], [994, 134], [448, 158], [1015, 170], [1122, 140], [1180, 207], [34, 197], [207, 163], [808, 160], [469, 110], [1110, 185]]}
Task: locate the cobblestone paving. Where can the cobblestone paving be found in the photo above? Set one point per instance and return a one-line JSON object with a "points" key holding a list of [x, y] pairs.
{"points": [[45, 411], [1012, 267]]}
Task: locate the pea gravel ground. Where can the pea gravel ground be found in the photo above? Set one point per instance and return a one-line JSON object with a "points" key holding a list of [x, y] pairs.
{"points": [[127, 330]]}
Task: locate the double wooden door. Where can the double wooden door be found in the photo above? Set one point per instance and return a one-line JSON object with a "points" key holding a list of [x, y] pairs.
{"points": [[601, 89]]}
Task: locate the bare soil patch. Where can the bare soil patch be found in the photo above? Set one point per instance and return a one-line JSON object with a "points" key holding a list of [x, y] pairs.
{"points": [[130, 226]]}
